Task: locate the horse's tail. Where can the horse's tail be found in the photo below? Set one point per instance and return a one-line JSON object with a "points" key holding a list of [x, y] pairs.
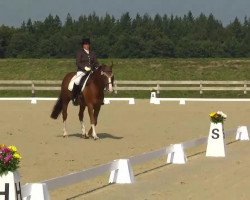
{"points": [[57, 108]]}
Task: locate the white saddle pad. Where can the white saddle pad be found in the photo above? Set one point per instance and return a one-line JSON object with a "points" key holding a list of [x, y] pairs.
{"points": [[72, 81]]}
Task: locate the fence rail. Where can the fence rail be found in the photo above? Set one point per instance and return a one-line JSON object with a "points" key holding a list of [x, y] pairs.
{"points": [[121, 85]]}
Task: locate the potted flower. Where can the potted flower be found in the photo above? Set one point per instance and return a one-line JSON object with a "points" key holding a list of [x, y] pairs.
{"points": [[215, 143], [217, 117], [9, 176]]}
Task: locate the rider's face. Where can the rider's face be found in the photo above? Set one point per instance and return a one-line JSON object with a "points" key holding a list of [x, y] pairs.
{"points": [[86, 46]]}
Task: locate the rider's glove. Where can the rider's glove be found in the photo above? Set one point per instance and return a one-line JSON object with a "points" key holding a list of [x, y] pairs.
{"points": [[87, 69]]}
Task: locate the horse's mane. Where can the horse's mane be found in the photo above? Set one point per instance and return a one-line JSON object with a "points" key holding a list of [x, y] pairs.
{"points": [[94, 75]]}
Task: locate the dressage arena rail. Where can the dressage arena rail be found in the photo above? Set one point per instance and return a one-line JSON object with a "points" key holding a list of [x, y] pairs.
{"points": [[121, 85], [76, 177]]}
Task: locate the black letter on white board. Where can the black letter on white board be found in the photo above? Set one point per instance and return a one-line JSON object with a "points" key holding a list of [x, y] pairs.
{"points": [[215, 133], [6, 192], [18, 192]]}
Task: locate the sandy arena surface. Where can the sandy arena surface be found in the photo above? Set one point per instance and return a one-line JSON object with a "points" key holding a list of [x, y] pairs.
{"points": [[126, 130]]}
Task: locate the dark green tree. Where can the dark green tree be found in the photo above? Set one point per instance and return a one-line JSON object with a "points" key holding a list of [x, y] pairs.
{"points": [[5, 37]]}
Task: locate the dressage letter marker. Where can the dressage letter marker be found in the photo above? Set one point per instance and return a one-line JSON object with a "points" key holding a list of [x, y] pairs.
{"points": [[10, 186], [5, 193], [33, 100], [215, 143], [154, 99]]}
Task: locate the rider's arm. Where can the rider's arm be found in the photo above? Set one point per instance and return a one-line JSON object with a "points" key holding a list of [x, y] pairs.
{"points": [[79, 64], [95, 63]]}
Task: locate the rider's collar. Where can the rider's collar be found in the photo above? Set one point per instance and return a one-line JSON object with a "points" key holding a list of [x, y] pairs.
{"points": [[87, 51]]}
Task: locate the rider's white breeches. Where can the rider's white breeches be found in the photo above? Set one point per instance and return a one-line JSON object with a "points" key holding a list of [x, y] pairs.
{"points": [[78, 77]]}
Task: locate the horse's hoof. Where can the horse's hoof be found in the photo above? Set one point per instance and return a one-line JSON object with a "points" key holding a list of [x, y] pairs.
{"points": [[65, 136], [96, 138], [85, 137]]}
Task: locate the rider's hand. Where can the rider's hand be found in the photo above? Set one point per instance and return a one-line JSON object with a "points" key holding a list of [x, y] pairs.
{"points": [[87, 69]]}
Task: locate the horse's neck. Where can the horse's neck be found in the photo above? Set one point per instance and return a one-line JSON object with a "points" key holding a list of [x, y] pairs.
{"points": [[97, 79]]}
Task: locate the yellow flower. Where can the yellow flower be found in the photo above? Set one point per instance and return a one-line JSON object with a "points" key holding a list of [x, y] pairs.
{"points": [[17, 155], [13, 148], [212, 114]]}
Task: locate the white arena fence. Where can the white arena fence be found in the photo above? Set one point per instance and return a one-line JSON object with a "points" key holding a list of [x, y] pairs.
{"points": [[34, 100], [131, 100], [120, 170], [156, 100]]}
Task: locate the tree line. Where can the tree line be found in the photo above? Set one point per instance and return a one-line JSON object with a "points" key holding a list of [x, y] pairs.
{"points": [[142, 36]]}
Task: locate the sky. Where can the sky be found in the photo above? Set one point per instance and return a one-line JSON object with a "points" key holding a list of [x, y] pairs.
{"points": [[14, 12]]}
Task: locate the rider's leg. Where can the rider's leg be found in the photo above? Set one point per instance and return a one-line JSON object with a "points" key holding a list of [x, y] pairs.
{"points": [[76, 88]]}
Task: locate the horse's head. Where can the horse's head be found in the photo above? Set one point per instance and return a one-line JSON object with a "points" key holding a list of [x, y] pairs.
{"points": [[107, 76]]}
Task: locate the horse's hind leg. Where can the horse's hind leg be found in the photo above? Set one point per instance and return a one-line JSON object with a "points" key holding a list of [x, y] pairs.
{"points": [[64, 116], [81, 114]]}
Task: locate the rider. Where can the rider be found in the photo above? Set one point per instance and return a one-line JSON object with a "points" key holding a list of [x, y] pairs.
{"points": [[86, 62]]}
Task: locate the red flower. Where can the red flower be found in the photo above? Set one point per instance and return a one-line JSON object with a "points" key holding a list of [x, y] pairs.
{"points": [[7, 158]]}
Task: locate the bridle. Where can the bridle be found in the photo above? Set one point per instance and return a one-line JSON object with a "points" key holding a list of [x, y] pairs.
{"points": [[108, 85], [108, 76]]}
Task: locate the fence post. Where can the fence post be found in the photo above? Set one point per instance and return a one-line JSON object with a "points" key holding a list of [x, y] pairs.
{"points": [[245, 88], [242, 133], [115, 90], [35, 191], [201, 92], [177, 156], [33, 100], [158, 90], [123, 172]]}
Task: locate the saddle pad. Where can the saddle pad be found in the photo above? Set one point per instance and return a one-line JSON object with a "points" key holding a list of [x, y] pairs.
{"points": [[72, 81]]}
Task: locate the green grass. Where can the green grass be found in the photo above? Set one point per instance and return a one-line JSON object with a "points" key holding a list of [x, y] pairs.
{"points": [[133, 69]]}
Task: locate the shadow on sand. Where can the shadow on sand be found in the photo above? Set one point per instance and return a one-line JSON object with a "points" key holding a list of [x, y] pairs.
{"points": [[100, 135]]}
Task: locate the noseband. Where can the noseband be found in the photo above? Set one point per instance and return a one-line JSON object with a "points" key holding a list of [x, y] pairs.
{"points": [[108, 76]]}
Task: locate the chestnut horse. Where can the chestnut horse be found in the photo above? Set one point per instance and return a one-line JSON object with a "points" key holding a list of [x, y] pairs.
{"points": [[92, 96]]}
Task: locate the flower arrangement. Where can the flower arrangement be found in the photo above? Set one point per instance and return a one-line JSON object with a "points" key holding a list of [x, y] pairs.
{"points": [[217, 117], [9, 159]]}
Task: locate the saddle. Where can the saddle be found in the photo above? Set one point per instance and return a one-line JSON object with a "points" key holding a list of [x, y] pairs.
{"points": [[76, 89], [82, 84], [84, 81]]}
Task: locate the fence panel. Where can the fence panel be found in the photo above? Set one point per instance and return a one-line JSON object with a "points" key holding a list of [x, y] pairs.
{"points": [[128, 85]]}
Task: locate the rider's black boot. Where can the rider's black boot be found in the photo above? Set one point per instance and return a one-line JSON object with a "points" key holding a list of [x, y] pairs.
{"points": [[75, 94]]}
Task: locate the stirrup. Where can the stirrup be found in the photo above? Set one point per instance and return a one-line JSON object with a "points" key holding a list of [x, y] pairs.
{"points": [[75, 102]]}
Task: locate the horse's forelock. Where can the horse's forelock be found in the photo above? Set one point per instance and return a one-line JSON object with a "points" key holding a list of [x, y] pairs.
{"points": [[106, 68]]}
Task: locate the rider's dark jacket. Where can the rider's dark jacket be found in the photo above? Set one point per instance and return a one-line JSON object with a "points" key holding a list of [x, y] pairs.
{"points": [[84, 59]]}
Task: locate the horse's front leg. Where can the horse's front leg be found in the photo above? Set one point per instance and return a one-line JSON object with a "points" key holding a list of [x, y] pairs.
{"points": [[81, 114], [92, 122], [96, 112]]}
